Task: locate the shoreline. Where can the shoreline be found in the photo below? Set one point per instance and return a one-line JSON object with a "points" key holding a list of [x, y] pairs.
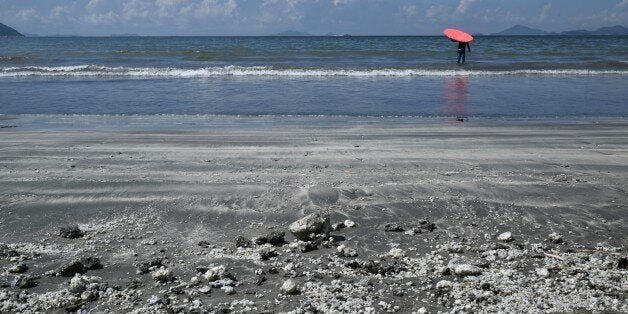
{"points": [[179, 198], [206, 122]]}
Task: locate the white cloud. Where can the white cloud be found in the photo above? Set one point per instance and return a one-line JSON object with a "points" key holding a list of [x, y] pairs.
{"points": [[210, 8], [93, 5], [545, 11], [434, 11], [408, 11], [26, 14], [622, 4], [341, 2], [463, 6], [107, 18]]}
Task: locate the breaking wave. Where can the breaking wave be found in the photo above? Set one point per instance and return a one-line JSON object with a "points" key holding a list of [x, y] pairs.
{"points": [[262, 71]]}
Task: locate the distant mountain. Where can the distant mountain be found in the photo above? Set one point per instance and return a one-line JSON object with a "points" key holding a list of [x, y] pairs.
{"points": [[520, 30], [331, 34], [6, 31], [292, 33], [124, 35], [616, 30]]}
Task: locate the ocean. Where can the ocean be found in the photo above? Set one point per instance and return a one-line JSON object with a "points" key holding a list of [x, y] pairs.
{"points": [[86, 80]]}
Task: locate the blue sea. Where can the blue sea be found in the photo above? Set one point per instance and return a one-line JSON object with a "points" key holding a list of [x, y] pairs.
{"points": [[86, 81]]}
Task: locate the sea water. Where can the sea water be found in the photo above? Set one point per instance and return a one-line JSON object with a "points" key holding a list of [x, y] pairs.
{"points": [[87, 81]]}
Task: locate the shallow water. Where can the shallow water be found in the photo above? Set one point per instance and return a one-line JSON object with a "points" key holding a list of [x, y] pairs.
{"points": [[511, 77]]}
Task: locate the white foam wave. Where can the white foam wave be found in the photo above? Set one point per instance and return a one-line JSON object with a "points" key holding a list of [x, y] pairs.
{"points": [[102, 71]]}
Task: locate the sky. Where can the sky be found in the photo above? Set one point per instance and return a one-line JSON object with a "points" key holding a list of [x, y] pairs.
{"points": [[264, 17]]}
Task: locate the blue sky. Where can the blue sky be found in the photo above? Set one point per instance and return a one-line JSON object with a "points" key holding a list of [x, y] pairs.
{"points": [[263, 17]]}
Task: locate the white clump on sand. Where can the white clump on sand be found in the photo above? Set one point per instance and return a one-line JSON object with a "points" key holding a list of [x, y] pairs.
{"points": [[396, 253], [349, 223], [344, 251], [78, 284], [542, 272], [444, 285], [214, 273], [467, 270], [162, 275], [505, 237]]}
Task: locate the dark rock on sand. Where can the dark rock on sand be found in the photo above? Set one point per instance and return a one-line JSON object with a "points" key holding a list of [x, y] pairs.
{"points": [[267, 254], [204, 244], [276, 238], [69, 270], [91, 263], [273, 238], [310, 226], [308, 246], [622, 263], [393, 227], [71, 232], [18, 268], [6, 251], [18, 281], [243, 242], [145, 267]]}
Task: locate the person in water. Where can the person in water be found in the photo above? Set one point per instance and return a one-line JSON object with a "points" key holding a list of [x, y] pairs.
{"points": [[461, 50]]}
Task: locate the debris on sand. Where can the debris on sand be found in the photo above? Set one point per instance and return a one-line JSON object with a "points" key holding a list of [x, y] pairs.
{"points": [[71, 232], [505, 237], [311, 226]]}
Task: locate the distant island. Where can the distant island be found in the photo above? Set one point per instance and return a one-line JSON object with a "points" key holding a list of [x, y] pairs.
{"points": [[6, 31], [291, 33], [294, 33], [520, 30]]}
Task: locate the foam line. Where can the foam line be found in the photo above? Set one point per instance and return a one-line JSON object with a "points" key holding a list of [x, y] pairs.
{"points": [[102, 71]]}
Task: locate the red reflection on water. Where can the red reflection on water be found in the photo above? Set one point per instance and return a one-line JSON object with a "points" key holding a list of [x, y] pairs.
{"points": [[455, 96]]}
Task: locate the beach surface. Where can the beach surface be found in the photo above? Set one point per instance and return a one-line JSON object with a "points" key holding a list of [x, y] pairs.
{"points": [[482, 217]]}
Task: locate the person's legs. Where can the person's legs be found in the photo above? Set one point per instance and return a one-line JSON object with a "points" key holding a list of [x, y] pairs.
{"points": [[463, 57], [460, 54]]}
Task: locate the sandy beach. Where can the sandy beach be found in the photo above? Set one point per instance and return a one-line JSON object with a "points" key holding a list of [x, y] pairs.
{"points": [[427, 217]]}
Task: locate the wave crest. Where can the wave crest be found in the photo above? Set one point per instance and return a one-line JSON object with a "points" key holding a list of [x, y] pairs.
{"points": [[103, 71]]}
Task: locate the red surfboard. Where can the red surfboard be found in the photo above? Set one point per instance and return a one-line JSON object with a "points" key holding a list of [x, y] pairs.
{"points": [[457, 35]]}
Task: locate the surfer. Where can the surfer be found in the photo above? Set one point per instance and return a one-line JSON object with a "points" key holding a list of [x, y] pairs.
{"points": [[461, 50]]}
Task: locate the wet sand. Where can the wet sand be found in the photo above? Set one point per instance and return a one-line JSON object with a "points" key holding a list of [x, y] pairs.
{"points": [[183, 197]]}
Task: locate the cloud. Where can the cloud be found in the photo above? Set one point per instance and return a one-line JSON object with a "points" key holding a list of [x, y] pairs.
{"points": [[622, 4], [341, 2], [463, 6], [408, 11], [208, 8], [93, 5], [434, 11], [545, 11]]}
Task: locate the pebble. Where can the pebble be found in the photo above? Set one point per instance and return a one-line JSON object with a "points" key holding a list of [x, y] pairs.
{"points": [[555, 238], [467, 270], [289, 287], [313, 224], [346, 252], [349, 223], [228, 290], [72, 268], [393, 227], [542, 272], [444, 285], [396, 253], [505, 237]]}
